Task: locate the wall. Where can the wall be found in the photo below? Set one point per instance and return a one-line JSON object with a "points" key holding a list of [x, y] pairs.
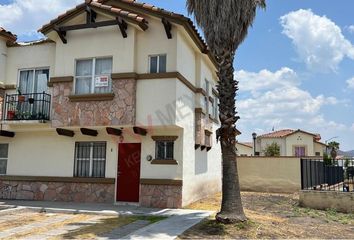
{"points": [[300, 139], [186, 64], [244, 150], [3, 57], [42, 55], [322, 200], [319, 148], [154, 41], [263, 174], [118, 111], [263, 143]]}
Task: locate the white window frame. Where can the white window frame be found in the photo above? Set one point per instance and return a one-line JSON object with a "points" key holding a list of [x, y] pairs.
{"points": [[5, 159], [34, 69], [158, 62], [215, 107], [206, 98], [93, 74]]}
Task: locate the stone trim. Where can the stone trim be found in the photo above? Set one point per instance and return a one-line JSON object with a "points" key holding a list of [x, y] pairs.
{"points": [[58, 191], [172, 182], [160, 196], [57, 179], [92, 97], [164, 162], [215, 93], [208, 132], [60, 80], [164, 138]]}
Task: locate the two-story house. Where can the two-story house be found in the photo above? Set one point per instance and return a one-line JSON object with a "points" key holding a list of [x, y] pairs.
{"points": [[118, 104], [297, 143]]}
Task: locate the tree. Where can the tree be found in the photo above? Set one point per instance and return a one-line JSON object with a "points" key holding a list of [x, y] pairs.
{"points": [[225, 25], [334, 146], [272, 150]]}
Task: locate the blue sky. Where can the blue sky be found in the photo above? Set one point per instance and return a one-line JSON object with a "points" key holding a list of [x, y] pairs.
{"points": [[296, 68]]}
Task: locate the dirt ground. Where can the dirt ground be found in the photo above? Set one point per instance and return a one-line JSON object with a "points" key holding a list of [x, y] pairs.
{"points": [[273, 216]]}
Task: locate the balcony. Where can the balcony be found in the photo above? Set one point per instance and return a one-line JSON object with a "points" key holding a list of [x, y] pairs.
{"points": [[26, 107]]}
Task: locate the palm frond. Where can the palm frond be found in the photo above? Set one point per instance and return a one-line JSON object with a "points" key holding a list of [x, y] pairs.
{"points": [[225, 23]]}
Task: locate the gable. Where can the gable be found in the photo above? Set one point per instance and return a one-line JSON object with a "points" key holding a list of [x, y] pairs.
{"points": [[131, 12]]}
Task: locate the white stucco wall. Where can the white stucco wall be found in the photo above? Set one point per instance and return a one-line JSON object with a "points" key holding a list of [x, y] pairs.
{"points": [[186, 60], [244, 150], [319, 148], [263, 143], [3, 57], [300, 139], [154, 41], [36, 56]]}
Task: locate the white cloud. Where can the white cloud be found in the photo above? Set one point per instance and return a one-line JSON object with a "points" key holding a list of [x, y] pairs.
{"points": [[352, 128], [266, 79], [350, 83], [351, 29], [319, 42], [268, 99], [24, 17]]}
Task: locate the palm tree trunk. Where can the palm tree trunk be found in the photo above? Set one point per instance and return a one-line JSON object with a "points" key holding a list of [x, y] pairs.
{"points": [[231, 207]]}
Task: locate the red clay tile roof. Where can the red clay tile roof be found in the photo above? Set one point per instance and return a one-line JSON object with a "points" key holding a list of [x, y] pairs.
{"points": [[8, 35], [277, 134], [129, 16], [287, 132]]}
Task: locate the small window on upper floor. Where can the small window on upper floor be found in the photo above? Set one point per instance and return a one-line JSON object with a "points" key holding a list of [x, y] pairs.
{"points": [[157, 63], [93, 76]]}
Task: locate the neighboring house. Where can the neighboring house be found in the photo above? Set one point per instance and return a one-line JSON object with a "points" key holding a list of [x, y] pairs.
{"points": [[118, 104], [244, 149], [297, 143]]}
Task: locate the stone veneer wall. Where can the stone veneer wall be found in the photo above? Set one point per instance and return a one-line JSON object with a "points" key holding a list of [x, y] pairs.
{"points": [[160, 196], [119, 111], [57, 191]]}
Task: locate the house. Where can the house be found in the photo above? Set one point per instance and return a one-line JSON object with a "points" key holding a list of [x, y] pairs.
{"points": [[118, 104], [244, 149], [297, 143]]}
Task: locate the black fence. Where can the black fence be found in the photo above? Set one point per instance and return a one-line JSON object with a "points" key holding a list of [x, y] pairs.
{"points": [[335, 176], [32, 106]]}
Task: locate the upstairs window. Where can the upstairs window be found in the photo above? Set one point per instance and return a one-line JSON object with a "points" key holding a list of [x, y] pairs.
{"points": [[90, 159], [93, 76], [33, 80], [4, 149], [215, 107], [157, 63]]}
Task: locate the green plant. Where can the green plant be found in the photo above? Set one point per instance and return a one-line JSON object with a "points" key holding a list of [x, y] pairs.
{"points": [[272, 150], [327, 160]]}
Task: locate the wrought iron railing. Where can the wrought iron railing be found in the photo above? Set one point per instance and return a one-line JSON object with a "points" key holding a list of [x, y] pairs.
{"points": [[335, 176], [25, 107]]}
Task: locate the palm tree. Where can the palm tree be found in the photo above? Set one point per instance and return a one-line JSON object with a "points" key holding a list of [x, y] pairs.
{"points": [[225, 25]]}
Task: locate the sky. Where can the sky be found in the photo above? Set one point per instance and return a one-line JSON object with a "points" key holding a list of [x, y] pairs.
{"points": [[296, 67]]}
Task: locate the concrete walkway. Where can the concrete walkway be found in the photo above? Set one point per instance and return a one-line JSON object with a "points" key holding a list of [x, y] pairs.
{"points": [[178, 221]]}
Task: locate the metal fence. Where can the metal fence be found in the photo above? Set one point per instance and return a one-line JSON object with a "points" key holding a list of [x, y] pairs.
{"points": [[32, 106], [337, 175]]}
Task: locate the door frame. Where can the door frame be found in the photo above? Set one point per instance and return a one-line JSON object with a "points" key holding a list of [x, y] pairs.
{"points": [[116, 202]]}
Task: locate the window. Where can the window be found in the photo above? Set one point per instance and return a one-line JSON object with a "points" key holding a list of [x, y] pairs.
{"points": [[4, 149], [93, 76], [33, 80], [90, 159], [164, 149], [215, 107], [318, 154], [157, 64], [206, 98]]}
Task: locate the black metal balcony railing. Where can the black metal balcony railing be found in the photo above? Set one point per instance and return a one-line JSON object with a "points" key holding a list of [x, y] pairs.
{"points": [[32, 106]]}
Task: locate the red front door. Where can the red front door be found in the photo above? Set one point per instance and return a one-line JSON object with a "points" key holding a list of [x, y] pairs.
{"points": [[128, 178]]}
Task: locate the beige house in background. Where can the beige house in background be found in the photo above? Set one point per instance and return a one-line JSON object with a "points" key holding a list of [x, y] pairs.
{"points": [[118, 104], [244, 149], [296, 143]]}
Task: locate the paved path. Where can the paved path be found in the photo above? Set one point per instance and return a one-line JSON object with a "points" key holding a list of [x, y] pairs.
{"points": [[38, 224], [178, 221]]}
